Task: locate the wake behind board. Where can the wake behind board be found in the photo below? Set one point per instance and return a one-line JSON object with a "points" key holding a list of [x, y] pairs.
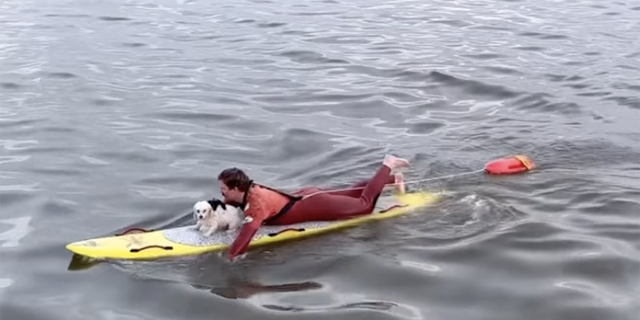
{"points": [[185, 241]]}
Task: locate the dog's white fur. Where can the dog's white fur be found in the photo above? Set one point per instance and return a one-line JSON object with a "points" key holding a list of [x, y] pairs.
{"points": [[220, 216]]}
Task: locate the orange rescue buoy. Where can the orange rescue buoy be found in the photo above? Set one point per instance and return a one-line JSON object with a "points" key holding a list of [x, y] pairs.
{"points": [[511, 165]]}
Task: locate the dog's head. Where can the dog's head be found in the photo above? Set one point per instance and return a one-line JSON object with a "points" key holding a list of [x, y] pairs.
{"points": [[202, 210]]}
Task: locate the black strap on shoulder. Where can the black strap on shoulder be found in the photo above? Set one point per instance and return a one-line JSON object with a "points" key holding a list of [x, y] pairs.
{"points": [[285, 209], [290, 197], [246, 194]]}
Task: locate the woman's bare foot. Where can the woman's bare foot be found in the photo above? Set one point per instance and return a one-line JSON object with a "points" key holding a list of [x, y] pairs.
{"points": [[395, 162], [399, 183]]}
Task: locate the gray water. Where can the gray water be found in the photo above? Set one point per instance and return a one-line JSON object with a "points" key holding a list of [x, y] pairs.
{"points": [[117, 114]]}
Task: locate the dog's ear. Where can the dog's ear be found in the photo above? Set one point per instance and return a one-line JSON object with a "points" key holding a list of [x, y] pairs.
{"points": [[217, 203]]}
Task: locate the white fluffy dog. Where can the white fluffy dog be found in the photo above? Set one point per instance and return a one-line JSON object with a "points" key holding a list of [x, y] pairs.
{"points": [[214, 215]]}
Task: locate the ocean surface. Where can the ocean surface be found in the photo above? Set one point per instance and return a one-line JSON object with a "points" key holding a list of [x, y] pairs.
{"points": [[119, 114]]}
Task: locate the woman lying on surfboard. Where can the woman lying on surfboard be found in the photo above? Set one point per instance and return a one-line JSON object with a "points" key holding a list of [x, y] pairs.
{"points": [[263, 205]]}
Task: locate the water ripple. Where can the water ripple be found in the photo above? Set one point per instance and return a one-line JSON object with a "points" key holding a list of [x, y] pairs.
{"points": [[121, 114]]}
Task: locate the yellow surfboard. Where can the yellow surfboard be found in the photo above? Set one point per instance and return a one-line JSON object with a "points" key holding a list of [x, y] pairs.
{"points": [[185, 241]]}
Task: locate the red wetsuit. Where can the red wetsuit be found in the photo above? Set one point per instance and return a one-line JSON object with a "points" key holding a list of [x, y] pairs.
{"points": [[272, 207]]}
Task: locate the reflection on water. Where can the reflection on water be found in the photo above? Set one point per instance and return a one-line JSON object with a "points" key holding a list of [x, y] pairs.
{"points": [[244, 290], [5, 283], [119, 114], [18, 228]]}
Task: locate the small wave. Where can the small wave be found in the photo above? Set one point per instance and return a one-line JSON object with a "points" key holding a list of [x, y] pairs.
{"points": [[10, 85], [109, 18]]}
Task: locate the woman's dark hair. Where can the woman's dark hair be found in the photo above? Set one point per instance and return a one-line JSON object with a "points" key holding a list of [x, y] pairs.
{"points": [[235, 178]]}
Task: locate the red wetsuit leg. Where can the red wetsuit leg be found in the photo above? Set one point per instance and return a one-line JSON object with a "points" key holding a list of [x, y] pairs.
{"points": [[330, 206], [354, 190]]}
